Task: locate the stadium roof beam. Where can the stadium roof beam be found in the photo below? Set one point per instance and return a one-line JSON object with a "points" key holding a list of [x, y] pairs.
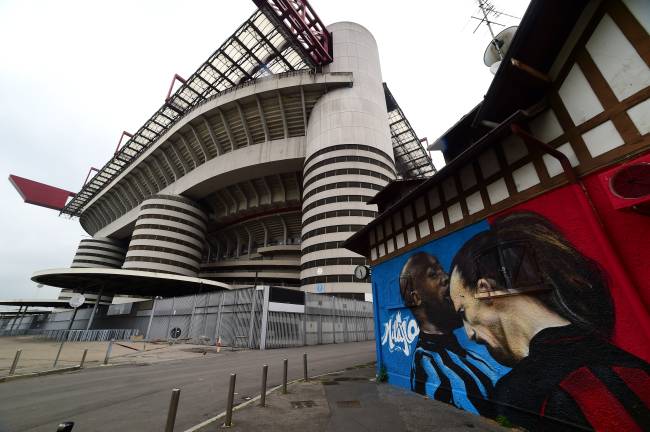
{"points": [[304, 108], [161, 168], [126, 206], [204, 148], [147, 169], [257, 195], [249, 137], [285, 230], [268, 189], [223, 203], [226, 126], [172, 146], [214, 139], [265, 127], [231, 198], [190, 150], [172, 166], [242, 193], [285, 126], [282, 188]]}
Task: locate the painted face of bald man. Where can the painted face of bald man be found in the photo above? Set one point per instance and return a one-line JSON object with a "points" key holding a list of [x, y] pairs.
{"points": [[425, 289]]}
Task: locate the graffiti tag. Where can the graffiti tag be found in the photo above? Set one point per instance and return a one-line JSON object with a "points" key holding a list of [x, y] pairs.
{"points": [[399, 333]]}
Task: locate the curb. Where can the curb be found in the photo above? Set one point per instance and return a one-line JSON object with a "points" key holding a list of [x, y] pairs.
{"points": [[56, 371], [195, 428], [74, 368], [39, 373]]}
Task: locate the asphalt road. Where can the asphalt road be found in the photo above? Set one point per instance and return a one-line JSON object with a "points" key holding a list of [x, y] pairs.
{"points": [[136, 398]]}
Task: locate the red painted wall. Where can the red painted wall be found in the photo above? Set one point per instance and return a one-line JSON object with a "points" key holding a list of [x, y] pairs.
{"points": [[629, 233], [618, 240]]}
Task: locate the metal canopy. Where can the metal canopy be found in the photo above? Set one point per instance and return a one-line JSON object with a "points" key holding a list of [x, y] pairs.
{"points": [[258, 48], [124, 282], [411, 158]]}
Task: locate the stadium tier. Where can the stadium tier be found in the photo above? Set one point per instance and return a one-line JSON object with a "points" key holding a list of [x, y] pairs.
{"points": [[255, 170]]}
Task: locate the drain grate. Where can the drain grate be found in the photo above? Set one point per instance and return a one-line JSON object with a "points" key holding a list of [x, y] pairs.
{"points": [[329, 383], [348, 404], [303, 404]]}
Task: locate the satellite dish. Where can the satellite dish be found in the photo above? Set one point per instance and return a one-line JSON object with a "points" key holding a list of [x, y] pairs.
{"points": [[76, 300], [495, 67], [503, 40]]}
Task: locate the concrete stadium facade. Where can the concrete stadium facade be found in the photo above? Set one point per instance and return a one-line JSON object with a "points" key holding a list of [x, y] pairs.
{"points": [[260, 183]]}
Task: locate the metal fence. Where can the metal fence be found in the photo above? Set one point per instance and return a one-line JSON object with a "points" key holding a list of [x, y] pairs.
{"points": [[101, 335], [238, 318]]}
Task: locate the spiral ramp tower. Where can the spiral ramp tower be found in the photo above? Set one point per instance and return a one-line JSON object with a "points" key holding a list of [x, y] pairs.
{"points": [[349, 157], [99, 252], [168, 237], [254, 170]]}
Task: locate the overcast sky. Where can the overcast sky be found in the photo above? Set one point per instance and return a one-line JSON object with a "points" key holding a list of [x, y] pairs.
{"points": [[74, 74]]}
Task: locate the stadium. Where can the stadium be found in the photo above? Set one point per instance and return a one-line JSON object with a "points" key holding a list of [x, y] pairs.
{"points": [[254, 171]]}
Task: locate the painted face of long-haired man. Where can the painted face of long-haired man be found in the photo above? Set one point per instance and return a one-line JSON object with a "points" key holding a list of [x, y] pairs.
{"points": [[542, 307], [521, 277]]}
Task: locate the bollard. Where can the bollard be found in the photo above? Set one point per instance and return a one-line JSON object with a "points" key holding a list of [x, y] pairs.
{"points": [[108, 351], [83, 358], [15, 362], [284, 377], [231, 396], [65, 427], [173, 408], [265, 370], [304, 362], [56, 359]]}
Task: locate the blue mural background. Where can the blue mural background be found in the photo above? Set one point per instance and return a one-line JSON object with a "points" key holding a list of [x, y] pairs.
{"points": [[396, 327]]}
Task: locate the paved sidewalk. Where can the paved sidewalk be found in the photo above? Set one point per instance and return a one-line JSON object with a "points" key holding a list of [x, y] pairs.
{"points": [[352, 401]]}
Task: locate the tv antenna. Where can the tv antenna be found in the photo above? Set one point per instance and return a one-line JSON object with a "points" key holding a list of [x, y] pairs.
{"points": [[488, 13]]}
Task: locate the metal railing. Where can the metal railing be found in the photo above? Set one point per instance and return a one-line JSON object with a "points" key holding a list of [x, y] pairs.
{"points": [[102, 335], [90, 335]]}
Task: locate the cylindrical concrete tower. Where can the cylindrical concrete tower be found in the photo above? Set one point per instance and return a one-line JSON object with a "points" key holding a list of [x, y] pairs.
{"points": [[99, 252], [349, 157], [168, 237]]}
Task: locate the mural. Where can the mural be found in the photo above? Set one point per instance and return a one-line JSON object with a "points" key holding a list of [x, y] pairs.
{"points": [[508, 317]]}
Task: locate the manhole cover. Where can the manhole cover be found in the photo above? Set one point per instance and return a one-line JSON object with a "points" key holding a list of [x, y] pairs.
{"points": [[349, 404], [303, 404], [175, 333]]}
